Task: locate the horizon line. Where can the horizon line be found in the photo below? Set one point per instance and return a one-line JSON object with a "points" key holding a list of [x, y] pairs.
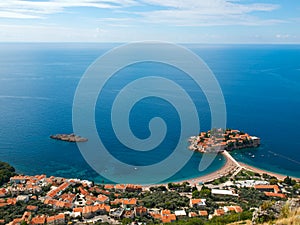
{"points": [[126, 42]]}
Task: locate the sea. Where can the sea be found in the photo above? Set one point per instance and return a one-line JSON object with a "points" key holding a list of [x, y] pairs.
{"points": [[38, 81]]}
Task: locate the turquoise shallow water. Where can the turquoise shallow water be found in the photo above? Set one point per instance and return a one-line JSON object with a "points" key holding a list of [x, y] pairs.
{"points": [[261, 86]]}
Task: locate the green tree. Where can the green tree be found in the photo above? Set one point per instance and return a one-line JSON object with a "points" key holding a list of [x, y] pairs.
{"points": [[24, 223], [6, 172], [273, 181], [205, 192], [126, 221]]}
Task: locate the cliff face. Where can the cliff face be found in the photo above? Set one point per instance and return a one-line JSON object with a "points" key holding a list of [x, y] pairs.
{"points": [[278, 211]]}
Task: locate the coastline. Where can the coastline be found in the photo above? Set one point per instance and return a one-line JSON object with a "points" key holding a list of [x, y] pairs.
{"points": [[232, 166], [261, 171]]}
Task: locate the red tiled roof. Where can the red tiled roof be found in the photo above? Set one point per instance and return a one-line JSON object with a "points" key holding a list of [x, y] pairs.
{"points": [[116, 201], [219, 212], [3, 204], [80, 209], [57, 203], [193, 214], [11, 201], [105, 192], [155, 215], [140, 209], [165, 212], [102, 198], [230, 208], [133, 187], [26, 216], [109, 186], [196, 201], [19, 178], [50, 219], [95, 189], [203, 213], [238, 209], [275, 188], [3, 191], [38, 220], [17, 221], [271, 194], [83, 191], [128, 213], [168, 218], [87, 209], [56, 218], [60, 217], [120, 186], [54, 192], [68, 197], [31, 207], [131, 201]]}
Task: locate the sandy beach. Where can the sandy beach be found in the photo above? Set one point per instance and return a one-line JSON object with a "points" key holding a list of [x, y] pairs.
{"points": [[231, 167]]}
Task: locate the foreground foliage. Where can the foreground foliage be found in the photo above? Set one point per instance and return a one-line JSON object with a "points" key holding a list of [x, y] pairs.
{"points": [[6, 172]]}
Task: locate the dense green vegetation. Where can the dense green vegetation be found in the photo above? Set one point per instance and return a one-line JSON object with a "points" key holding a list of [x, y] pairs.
{"points": [[183, 187], [6, 172], [247, 175], [289, 181], [230, 218], [159, 188], [167, 200], [205, 192], [250, 197], [219, 220]]}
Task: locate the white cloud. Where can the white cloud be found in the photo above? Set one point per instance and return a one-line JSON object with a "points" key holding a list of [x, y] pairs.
{"points": [[283, 36], [36, 9], [213, 6], [149, 19], [174, 9], [207, 13], [17, 15]]}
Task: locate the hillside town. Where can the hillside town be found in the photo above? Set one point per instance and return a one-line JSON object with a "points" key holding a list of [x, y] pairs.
{"points": [[54, 200], [217, 140]]}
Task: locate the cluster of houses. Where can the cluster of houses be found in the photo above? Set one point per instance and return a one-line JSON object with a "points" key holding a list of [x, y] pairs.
{"points": [[219, 140], [81, 199], [42, 219]]}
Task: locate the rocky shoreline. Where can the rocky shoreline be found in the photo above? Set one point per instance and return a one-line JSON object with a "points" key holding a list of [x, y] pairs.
{"points": [[68, 138]]}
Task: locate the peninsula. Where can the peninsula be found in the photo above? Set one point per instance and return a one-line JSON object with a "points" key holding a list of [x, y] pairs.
{"points": [[218, 140], [68, 138]]}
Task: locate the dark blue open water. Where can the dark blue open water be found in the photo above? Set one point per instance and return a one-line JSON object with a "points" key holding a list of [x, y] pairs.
{"points": [[260, 83]]}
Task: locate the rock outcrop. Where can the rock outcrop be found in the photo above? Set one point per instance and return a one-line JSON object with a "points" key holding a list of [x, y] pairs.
{"points": [[68, 138]]}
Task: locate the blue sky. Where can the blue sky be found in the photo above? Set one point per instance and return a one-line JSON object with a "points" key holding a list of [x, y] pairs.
{"points": [[181, 21]]}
